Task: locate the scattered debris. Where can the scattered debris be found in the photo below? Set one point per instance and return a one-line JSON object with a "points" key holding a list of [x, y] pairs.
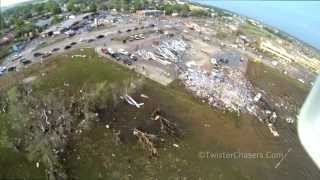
{"points": [[29, 79], [226, 87], [175, 145], [131, 101], [290, 120], [167, 52], [145, 140], [66, 84], [257, 97], [272, 130], [78, 55], [144, 96], [166, 126], [222, 88]]}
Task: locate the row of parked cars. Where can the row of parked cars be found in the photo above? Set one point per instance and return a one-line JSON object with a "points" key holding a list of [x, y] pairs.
{"points": [[49, 53], [137, 28], [120, 55], [15, 58]]}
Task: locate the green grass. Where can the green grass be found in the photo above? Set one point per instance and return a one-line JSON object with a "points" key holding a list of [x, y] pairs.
{"points": [[94, 154], [82, 72], [5, 50], [274, 82], [249, 29]]}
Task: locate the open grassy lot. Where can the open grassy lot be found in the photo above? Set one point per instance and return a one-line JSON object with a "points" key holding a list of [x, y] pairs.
{"points": [[4, 50], [250, 29], [276, 83], [94, 137]]}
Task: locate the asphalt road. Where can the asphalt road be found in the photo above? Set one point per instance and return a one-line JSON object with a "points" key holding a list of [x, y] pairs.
{"points": [[29, 50]]}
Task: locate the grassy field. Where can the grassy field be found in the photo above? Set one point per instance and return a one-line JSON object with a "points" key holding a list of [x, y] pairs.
{"points": [[276, 84], [93, 85], [4, 50], [249, 29]]}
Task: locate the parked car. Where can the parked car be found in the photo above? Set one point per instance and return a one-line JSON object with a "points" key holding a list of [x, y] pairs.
{"points": [[90, 40], [100, 36], [122, 51], [55, 49], [116, 56], [25, 61], [67, 47], [12, 68], [133, 57], [16, 57], [126, 61], [110, 51], [37, 54], [3, 69], [47, 54], [73, 43]]}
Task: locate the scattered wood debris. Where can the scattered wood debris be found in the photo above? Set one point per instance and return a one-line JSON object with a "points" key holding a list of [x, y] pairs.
{"points": [[166, 126], [145, 139]]}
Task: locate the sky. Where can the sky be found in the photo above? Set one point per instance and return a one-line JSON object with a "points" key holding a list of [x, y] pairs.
{"points": [[10, 2], [298, 18]]}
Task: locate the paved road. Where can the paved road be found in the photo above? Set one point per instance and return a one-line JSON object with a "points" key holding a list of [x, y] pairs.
{"points": [[29, 50]]}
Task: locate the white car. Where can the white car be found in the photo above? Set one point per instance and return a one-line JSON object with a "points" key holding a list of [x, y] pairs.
{"points": [[122, 51], [110, 51], [2, 69]]}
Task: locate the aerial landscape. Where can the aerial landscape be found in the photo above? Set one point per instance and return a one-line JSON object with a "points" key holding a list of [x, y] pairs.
{"points": [[150, 89]]}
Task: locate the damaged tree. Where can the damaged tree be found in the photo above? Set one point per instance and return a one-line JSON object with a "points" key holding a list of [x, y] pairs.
{"points": [[146, 141], [167, 127], [50, 119], [3, 104]]}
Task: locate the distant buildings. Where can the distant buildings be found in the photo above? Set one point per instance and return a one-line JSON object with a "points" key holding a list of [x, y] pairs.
{"points": [[43, 23], [277, 50], [65, 25], [268, 46], [6, 38], [155, 13]]}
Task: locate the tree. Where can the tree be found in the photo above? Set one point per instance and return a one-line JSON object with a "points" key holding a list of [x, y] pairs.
{"points": [[76, 9], [70, 5], [2, 22], [18, 23], [168, 8], [55, 19], [54, 7], [137, 5], [200, 13], [114, 4], [38, 8], [93, 7], [183, 9], [125, 5]]}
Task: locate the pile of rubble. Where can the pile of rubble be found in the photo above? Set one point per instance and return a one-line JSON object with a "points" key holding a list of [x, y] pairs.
{"points": [[226, 87], [223, 88], [167, 52]]}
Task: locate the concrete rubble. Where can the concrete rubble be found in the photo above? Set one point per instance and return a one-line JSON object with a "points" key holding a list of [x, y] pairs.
{"points": [[227, 88], [222, 88], [167, 52]]}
